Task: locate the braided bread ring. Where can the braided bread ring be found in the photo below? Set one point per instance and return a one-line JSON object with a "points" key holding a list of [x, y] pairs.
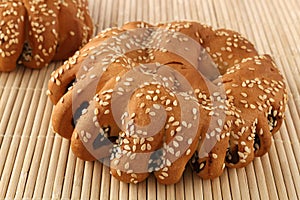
{"points": [[224, 139]]}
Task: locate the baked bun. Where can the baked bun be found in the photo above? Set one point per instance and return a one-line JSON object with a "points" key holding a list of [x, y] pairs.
{"points": [[12, 34], [37, 32], [141, 96]]}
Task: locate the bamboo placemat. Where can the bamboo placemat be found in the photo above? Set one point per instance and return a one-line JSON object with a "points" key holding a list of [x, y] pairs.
{"points": [[35, 163]]}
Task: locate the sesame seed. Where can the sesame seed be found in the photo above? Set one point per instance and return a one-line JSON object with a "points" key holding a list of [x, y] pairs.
{"points": [[228, 91], [207, 136], [104, 103], [240, 154], [147, 110], [188, 152], [152, 114], [79, 91], [93, 76], [84, 111], [85, 139], [126, 141], [58, 82], [156, 106], [172, 133], [161, 177], [127, 147], [194, 111], [179, 138], [171, 150], [211, 113], [119, 172], [139, 95], [171, 119], [215, 94], [243, 101], [175, 103], [142, 105], [218, 130], [220, 122], [126, 83], [244, 94], [176, 144], [176, 123], [48, 92], [148, 97], [184, 123], [178, 129], [150, 139], [126, 166], [168, 162], [247, 149], [168, 101], [215, 156], [201, 166], [143, 147], [128, 45]]}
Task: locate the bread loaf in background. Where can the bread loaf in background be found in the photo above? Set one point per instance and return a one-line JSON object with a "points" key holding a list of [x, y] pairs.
{"points": [[34, 33]]}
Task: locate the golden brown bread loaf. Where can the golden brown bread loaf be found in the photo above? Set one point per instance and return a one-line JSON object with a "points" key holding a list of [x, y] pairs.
{"points": [[36, 32], [12, 16], [149, 99]]}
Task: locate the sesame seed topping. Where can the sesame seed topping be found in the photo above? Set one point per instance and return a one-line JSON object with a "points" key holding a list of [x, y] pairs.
{"points": [[220, 122], [188, 152], [201, 166], [152, 114], [244, 94], [126, 166], [215, 156], [177, 154], [175, 103], [176, 123], [119, 172], [156, 106]]}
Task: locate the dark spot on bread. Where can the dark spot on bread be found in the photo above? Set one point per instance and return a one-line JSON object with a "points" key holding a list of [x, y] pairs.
{"points": [[78, 112]]}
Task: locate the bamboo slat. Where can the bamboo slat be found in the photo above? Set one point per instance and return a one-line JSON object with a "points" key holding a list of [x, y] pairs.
{"points": [[35, 163]]}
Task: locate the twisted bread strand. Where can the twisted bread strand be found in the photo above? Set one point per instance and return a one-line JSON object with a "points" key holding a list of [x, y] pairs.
{"points": [[253, 109]]}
